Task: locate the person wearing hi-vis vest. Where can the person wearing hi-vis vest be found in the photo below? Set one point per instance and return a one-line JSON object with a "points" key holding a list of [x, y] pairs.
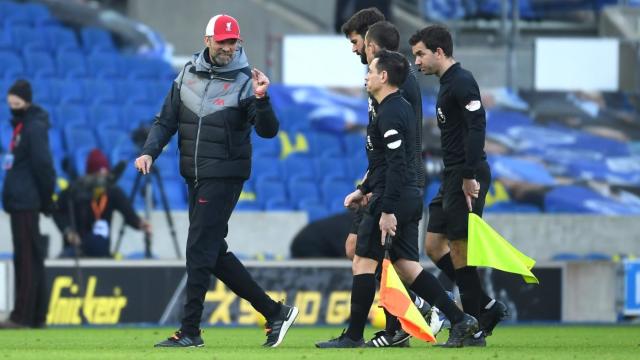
{"points": [[93, 199], [27, 190]]}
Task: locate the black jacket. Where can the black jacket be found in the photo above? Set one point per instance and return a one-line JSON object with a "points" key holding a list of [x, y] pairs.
{"points": [[30, 183], [213, 109]]}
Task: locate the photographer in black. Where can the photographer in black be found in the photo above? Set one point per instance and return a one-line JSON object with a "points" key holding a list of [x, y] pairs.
{"points": [[86, 208]]}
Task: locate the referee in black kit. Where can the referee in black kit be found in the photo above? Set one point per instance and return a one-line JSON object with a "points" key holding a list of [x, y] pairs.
{"points": [[395, 208], [462, 123]]}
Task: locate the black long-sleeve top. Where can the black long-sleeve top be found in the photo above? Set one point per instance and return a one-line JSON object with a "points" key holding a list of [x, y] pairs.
{"points": [[391, 151], [461, 119]]}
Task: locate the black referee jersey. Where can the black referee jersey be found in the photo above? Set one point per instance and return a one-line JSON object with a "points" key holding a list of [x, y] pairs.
{"points": [[461, 119]]}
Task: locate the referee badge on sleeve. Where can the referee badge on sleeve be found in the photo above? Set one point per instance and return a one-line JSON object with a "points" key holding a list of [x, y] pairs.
{"points": [[392, 138], [473, 105]]}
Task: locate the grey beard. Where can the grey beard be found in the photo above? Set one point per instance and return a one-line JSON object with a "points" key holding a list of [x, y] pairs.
{"points": [[220, 63]]}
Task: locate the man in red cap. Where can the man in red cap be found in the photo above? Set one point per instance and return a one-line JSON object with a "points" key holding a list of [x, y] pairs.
{"points": [[214, 104], [94, 201]]}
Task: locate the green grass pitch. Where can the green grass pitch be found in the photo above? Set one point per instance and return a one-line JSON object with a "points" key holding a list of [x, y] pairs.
{"points": [[508, 342]]}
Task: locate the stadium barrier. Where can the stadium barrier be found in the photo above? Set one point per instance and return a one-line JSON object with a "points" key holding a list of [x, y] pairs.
{"points": [[152, 292]]}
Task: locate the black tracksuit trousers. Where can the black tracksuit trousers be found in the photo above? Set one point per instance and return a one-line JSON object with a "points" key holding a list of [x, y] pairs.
{"points": [[30, 307], [211, 203]]}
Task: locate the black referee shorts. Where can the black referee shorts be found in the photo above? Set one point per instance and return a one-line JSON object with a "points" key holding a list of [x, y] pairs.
{"points": [[357, 219], [448, 211], [405, 243]]}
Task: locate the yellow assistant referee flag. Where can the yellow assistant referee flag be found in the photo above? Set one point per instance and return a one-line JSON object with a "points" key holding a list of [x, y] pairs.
{"points": [[488, 248], [394, 298]]}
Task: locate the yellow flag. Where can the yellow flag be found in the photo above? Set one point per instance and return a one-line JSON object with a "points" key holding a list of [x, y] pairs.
{"points": [[488, 248], [394, 298]]}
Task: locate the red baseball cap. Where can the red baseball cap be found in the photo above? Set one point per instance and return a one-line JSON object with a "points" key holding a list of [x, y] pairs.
{"points": [[223, 27]]}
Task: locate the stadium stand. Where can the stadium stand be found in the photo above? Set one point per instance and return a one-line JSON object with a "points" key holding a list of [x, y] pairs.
{"points": [[96, 95]]}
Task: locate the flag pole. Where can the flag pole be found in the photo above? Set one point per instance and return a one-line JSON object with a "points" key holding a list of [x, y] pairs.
{"points": [[387, 245]]}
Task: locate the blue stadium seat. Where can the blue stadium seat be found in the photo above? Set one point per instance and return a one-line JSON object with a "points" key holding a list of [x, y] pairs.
{"points": [[126, 151], [42, 92], [336, 205], [133, 92], [100, 113], [168, 165], [110, 138], [39, 62], [300, 190], [8, 8], [269, 189], [324, 143], [315, 210], [265, 147], [354, 143], [335, 189], [60, 37], [298, 165], [266, 167], [277, 204], [36, 12], [357, 166], [71, 63], [107, 64], [6, 132], [70, 113], [134, 115], [100, 92], [69, 92], [93, 37], [23, 35], [330, 167], [5, 42], [80, 155], [148, 69], [55, 141], [158, 90], [248, 206], [10, 64], [76, 136]]}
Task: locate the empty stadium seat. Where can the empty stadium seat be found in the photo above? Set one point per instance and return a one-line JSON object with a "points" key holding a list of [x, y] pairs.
{"points": [[336, 189], [39, 61], [10, 64], [93, 37], [315, 210], [77, 136], [330, 167], [100, 92], [71, 113], [270, 189], [301, 190], [109, 138], [71, 63], [300, 165], [266, 167]]}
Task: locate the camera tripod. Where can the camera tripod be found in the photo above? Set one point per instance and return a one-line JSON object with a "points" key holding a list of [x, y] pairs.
{"points": [[148, 203]]}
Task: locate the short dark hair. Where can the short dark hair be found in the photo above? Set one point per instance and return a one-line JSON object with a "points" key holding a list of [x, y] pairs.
{"points": [[395, 64], [360, 21], [385, 35], [434, 37]]}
